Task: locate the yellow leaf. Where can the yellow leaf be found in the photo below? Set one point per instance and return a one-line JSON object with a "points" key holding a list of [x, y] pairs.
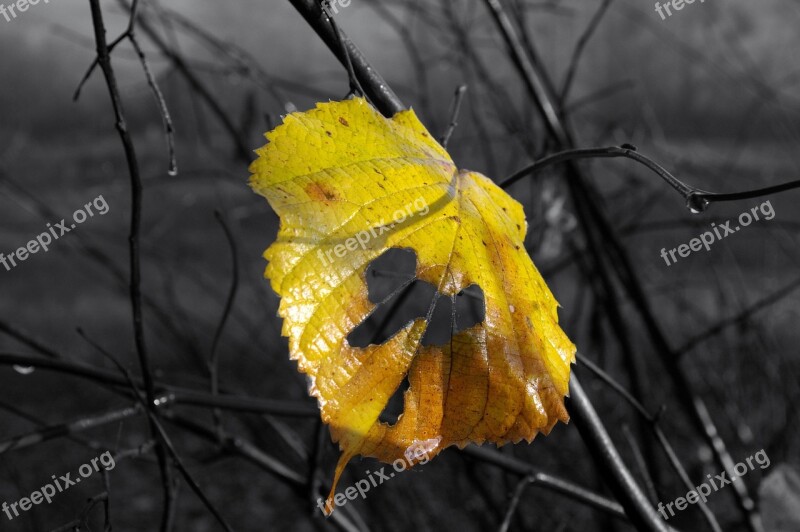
{"points": [[349, 184]]}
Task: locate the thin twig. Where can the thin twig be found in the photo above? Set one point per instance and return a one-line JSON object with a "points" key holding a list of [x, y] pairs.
{"points": [[741, 317], [82, 519], [25, 339], [641, 464], [213, 359], [375, 87], [593, 97], [579, 47], [169, 130], [355, 86], [455, 108], [564, 487], [514, 502], [41, 424], [67, 429]]}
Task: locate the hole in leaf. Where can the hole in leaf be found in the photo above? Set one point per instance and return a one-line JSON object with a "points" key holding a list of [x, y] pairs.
{"points": [[401, 298], [395, 406], [389, 272], [470, 307]]}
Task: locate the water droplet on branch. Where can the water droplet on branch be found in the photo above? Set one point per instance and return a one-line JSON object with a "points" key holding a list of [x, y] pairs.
{"points": [[696, 203]]}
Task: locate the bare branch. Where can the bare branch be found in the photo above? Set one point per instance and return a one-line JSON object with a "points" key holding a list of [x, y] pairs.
{"points": [[104, 60], [454, 110]]}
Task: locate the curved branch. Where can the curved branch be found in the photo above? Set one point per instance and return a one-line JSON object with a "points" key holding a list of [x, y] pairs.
{"points": [[696, 199], [213, 359]]}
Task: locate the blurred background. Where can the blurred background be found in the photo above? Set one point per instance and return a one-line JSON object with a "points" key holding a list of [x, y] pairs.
{"points": [[710, 93]]}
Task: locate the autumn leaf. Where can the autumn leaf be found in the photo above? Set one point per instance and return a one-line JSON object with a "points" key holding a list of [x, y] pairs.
{"points": [[350, 184]]}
